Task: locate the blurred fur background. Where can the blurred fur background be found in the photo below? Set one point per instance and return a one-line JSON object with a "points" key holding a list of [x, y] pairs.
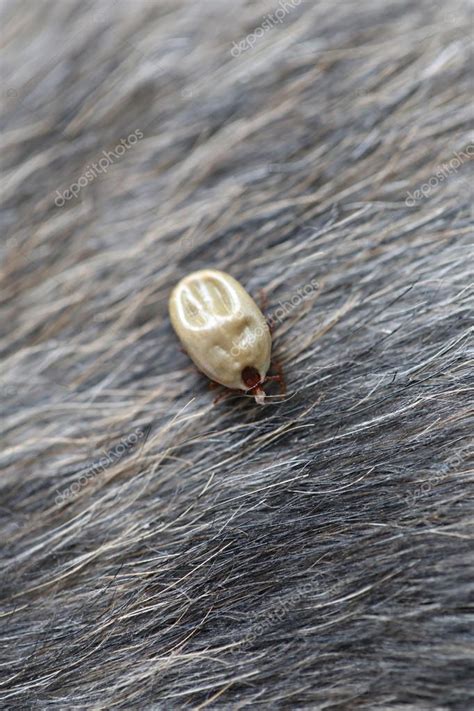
{"points": [[160, 551]]}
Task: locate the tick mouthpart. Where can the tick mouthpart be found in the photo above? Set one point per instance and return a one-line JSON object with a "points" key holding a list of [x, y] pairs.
{"points": [[253, 381], [259, 395]]}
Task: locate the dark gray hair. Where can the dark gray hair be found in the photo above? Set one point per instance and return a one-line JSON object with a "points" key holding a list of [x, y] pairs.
{"points": [[314, 553]]}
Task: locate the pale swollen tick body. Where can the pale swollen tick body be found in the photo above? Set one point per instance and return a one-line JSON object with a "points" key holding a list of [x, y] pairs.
{"points": [[223, 331]]}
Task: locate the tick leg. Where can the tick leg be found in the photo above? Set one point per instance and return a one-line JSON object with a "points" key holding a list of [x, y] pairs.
{"points": [[263, 298], [226, 392], [220, 396], [279, 378]]}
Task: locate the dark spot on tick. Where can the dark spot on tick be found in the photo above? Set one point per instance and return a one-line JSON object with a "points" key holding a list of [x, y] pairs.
{"points": [[250, 376]]}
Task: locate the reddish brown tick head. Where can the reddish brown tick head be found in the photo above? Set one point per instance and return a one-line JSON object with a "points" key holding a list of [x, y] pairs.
{"points": [[253, 381], [250, 376]]}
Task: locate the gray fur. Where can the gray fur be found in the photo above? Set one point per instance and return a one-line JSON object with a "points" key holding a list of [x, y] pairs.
{"points": [[315, 553]]}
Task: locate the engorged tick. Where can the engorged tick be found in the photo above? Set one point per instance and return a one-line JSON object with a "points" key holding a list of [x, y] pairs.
{"points": [[223, 331]]}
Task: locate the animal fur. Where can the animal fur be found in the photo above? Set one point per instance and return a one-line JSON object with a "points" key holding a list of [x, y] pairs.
{"points": [[161, 551]]}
